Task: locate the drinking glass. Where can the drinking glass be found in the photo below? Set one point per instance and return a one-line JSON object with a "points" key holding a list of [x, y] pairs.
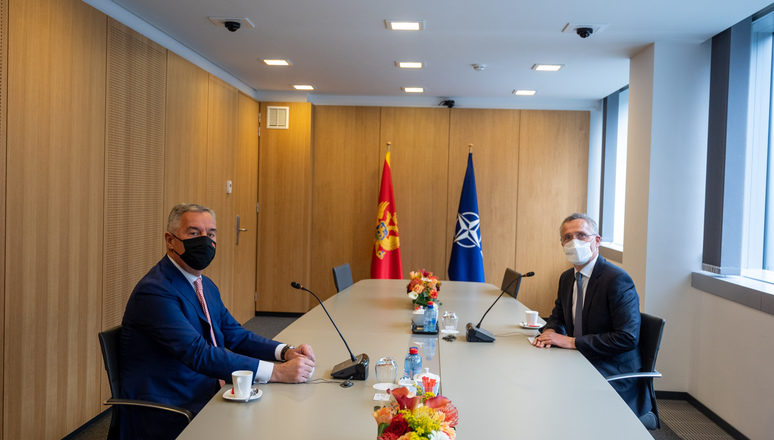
{"points": [[449, 321], [386, 370]]}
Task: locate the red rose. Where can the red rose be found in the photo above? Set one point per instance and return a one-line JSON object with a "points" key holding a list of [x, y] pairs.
{"points": [[398, 426], [388, 436]]}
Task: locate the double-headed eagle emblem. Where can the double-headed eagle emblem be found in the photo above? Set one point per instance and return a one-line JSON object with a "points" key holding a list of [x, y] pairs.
{"points": [[384, 241]]}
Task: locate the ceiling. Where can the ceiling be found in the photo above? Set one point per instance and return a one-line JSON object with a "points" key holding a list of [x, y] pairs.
{"points": [[343, 48]]}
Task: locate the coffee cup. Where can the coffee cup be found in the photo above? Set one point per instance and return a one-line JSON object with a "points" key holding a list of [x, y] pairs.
{"points": [[243, 383], [532, 318]]}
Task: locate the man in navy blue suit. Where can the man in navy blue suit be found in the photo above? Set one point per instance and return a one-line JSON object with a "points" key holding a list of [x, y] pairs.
{"points": [[179, 340], [609, 329]]}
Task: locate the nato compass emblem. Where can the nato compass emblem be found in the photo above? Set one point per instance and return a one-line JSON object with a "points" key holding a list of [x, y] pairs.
{"points": [[468, 234]]}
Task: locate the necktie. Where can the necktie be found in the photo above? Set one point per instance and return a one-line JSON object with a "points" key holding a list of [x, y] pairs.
{"points": [[579, 305], [200, 296]]}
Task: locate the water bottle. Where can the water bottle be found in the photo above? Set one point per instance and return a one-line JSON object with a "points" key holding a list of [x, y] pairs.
{"points": [[431, 318], [413, 364]]}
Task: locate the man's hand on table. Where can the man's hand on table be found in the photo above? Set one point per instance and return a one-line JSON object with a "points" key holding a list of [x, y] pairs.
{"points": [[550, 338], [302, 350], [298, 367]]}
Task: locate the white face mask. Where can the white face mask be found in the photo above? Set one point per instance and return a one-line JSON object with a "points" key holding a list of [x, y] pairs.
{"points": [[578, 252]]}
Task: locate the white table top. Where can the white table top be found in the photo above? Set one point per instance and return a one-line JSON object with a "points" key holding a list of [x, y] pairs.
{"points": [[504, 389]]}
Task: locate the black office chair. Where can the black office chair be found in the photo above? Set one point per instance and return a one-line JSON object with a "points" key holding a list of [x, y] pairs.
{"points": [[651, 329], [109, 341], [510, 287], [342, 277]]}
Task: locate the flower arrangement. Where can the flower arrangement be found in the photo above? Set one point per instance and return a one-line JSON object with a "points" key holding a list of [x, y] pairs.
{"points": [[416, 417], [423, 287]]}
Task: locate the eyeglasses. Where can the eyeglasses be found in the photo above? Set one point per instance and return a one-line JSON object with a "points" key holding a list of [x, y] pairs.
{"points": [[582, 236]]}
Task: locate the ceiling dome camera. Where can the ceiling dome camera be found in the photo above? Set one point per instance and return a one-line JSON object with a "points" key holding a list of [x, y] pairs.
{"points": [[232, 26], [584, 32]]}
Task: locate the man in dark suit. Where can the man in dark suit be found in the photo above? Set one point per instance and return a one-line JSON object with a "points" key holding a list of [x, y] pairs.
{"points": [[609, 328], [179, 340]]}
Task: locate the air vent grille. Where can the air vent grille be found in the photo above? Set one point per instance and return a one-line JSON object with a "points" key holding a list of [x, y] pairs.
{"points": [[279, 117]]}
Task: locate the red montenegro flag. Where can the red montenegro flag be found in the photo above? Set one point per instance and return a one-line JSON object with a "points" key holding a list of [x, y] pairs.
{"points": [[385, 260]]}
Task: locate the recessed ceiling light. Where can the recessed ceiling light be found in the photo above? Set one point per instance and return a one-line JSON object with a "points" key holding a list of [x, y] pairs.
{"points": [[413, 89], [547, 67], [276, 62], [404, 25], [303, 87], [409, 64], [524, 92]]}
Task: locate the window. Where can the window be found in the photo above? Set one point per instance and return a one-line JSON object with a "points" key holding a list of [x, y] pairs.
{"points": [[758, 230], [615, 125], [739, 200]]}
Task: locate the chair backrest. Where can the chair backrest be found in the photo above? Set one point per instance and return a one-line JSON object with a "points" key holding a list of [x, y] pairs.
{"points": [[651, 330], [110, 341], [511, 287], [342, 277]]}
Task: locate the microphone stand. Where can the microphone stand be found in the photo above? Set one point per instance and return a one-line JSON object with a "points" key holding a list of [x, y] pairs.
{"points": [[477, 334], [356, 367]]}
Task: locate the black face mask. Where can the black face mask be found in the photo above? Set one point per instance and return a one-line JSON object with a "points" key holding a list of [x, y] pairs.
{"points": [[199, 252]]}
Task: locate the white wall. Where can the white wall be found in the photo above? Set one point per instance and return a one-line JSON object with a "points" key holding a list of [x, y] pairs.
{"points": [[665, 183], [718, 351]]}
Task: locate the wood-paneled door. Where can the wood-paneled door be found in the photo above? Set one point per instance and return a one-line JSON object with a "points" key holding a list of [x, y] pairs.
{"points": [[246, 193], [222, 116], [284, 217]]}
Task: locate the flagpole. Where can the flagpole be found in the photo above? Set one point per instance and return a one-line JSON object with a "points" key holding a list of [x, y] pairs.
{"points": [[388, 146], [470, 148]]}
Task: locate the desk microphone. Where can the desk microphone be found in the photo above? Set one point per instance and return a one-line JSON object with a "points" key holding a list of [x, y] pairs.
{"points": [[356, 367], [477, 334]]}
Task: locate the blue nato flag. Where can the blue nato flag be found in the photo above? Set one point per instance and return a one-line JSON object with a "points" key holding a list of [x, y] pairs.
{"points": [[467, 260]]}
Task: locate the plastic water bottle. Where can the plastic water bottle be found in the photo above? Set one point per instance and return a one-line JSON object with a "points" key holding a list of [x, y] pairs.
{"points": [[413, 364], [431, 317]]}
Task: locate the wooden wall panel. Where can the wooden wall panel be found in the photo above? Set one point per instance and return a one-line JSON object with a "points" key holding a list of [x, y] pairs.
{"points": [[185, 154], [495, 138], [3, 151], [246, 193], [345, 192], [419, 165], [284, 218], [553, 172], [223, 108], [136, 78], [55, 213]]}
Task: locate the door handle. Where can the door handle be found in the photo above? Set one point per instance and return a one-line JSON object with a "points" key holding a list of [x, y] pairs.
{"points": [[238, 231]]}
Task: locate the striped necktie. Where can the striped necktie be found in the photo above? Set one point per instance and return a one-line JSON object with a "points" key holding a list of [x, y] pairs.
{"points": [[200, 296]]}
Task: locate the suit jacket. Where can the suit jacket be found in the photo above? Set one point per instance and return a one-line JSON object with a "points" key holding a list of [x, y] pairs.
{"points": [[611, 327], [167, 354]]}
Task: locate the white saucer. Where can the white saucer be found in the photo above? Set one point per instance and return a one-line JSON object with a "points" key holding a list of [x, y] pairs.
{"points": [[229, 395], [524, 325], [449, 332], [385, 386]]}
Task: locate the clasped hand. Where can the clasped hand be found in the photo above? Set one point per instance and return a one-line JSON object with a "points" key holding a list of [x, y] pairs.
{"points": [[549, 337], [298, 368]]}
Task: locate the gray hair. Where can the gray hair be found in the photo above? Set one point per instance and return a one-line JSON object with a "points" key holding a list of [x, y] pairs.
{"points": [[173, 222], [584, 217]]}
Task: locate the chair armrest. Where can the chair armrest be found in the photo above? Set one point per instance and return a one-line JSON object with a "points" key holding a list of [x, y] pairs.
{"points": [[634, 375], [148, 404]]}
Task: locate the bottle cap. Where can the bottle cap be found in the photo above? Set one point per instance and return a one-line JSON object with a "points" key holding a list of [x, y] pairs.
{"points": [[429, 304], [413, 350]]}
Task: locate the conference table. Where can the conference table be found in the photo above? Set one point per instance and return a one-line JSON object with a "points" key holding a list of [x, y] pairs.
{"points": [[504, 389]]}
